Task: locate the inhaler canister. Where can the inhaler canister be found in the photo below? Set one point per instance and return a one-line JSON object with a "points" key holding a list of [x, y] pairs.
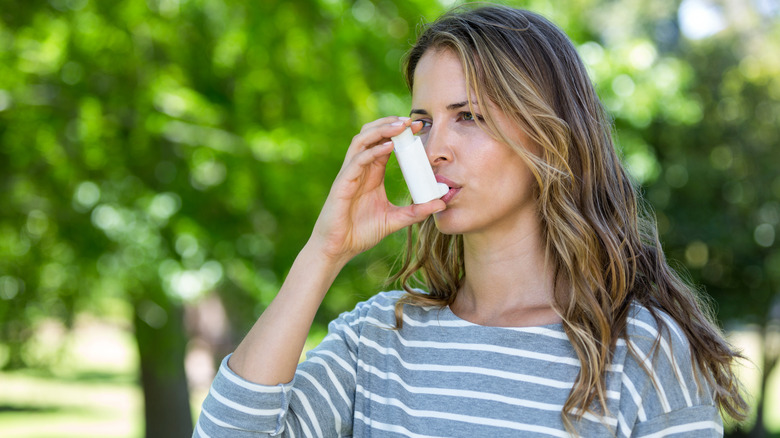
{"points": [[416, 169]]}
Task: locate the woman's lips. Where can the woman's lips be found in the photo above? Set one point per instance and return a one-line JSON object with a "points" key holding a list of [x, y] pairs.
{"points": [[454, 188], [449, 195]]}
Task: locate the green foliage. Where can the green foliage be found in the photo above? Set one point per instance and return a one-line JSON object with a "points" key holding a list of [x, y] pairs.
{"points": [[155, 151], [180, 148]]}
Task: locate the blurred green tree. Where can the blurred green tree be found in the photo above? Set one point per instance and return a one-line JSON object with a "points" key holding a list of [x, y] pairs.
{"points": [[150, 150], [153, 152]]}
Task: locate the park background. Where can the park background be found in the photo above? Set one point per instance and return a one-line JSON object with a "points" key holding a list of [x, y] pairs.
{"points": [[162, 161]]}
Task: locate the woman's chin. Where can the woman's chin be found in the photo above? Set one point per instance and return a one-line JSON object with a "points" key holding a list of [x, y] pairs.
{"points": [[446, 225]]}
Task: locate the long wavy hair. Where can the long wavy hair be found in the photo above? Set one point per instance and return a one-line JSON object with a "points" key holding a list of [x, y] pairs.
{"points": [[602, 245]]}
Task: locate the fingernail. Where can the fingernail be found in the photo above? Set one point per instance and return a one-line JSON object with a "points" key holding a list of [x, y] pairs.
{"points": [[403, 118], [398, 123]]}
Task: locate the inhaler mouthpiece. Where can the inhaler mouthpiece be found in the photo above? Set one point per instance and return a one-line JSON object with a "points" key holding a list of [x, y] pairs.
{"points": [[416, 169]]}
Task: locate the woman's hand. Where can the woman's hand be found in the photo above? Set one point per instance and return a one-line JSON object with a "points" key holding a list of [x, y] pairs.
{"points": [[356, 216], [357, 213]]}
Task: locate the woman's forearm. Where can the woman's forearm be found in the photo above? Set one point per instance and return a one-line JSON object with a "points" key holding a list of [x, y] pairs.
{"points": [[269, 353]]}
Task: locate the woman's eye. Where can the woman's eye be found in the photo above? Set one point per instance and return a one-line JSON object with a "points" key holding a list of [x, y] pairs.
{"points": [[470, 117]]}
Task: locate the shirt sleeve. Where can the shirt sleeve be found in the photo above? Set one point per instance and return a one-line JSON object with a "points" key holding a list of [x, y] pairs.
{"points": [[664, 391], [235, 407], [319, 401], [693, 422]]}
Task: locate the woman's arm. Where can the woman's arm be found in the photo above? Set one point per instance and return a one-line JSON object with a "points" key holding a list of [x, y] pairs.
{"points": [[355, 217], [269, 353]]}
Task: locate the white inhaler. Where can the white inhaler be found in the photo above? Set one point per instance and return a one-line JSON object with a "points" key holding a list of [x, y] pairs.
{"points": [[412, 159]]}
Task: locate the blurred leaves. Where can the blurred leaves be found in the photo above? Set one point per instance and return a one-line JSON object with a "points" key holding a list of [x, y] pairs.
{"points": [[187, 146], [179, 146]]}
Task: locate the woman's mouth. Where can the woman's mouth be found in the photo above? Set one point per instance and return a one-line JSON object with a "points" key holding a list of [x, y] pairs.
{"points": [[454, 188], [449, 195]]}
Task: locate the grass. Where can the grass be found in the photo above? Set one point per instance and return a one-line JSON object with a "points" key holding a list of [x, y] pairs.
{"points": [[35, 405], [93, 391]]}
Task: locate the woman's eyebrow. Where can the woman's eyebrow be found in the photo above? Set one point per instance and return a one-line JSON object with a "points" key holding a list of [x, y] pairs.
{"points": [[450, 107], [454, 106]]}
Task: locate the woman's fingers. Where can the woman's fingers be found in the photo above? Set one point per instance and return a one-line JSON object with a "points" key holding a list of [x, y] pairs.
{"points": [[357, 214], [358, 167], [417, 125], [377, 132], [383, 121], [403, 217], [370, 156]]}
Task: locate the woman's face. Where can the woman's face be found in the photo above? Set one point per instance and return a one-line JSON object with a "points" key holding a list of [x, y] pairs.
{"points": [[491, 187]]}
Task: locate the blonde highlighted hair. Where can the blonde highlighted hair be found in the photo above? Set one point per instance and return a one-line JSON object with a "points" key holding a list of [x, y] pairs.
{"points": [[603, 247]]}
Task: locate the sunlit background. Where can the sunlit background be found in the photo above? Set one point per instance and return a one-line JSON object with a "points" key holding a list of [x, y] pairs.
{"points": [[162, 161]]}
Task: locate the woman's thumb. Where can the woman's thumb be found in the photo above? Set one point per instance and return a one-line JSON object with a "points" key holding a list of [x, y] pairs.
{"points": [[415, 213]]}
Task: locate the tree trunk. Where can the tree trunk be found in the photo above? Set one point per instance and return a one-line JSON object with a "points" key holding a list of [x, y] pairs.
{"points": [[769, 363], [771, 355], [161, 343]]}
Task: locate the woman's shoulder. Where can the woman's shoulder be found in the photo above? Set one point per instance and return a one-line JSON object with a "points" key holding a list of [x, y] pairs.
{"points": [[380, 310], [647, 328], [662, 386], [653, 339], [380, 307], [380, 299], [656, 338], [380, 302], [658, 365]]}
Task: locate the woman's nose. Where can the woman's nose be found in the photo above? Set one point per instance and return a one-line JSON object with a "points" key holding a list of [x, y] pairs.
{"points": [[437, 146]]}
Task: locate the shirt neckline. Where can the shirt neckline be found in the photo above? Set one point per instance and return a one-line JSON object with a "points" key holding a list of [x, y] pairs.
{"points": [[556, 326]]}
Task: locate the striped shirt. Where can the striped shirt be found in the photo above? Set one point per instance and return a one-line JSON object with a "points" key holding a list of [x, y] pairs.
{"points": [[441, 376]]}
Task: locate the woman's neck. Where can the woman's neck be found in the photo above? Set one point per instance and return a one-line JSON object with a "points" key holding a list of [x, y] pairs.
{"points": [[507, 282]]}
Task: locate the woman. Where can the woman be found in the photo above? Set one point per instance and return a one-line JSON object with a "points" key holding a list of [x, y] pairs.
{"points": [[548, 308]]}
